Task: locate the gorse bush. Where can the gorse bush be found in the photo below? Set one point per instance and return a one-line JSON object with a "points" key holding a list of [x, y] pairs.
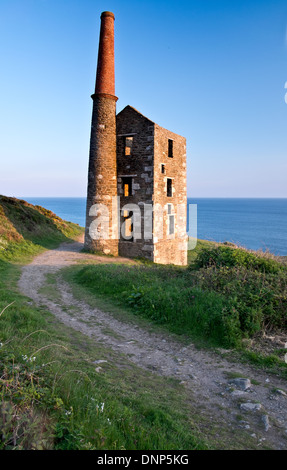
{"points": [[230, 257], [259, 299], [254, 286]]}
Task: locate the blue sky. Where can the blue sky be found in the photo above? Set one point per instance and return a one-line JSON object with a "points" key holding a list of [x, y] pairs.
{"points": [[211, 70]]}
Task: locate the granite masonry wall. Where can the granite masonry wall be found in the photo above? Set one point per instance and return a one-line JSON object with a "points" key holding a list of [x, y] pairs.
{"points": [[156, 166], [102, 179], [138, 166], [170, 239]]}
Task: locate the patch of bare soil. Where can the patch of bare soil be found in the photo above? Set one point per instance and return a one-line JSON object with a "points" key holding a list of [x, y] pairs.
{"points": [[207, 375], [271, 342]]}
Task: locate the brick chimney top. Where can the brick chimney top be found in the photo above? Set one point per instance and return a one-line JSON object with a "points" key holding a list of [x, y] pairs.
{"points": [[107, 13], [105, 81]]}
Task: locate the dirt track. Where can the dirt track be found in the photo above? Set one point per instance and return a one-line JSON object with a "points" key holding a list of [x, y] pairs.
{"points": [[204, 373]]}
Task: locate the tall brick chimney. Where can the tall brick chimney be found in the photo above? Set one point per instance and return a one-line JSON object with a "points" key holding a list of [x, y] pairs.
{"points": [[101, 221], [105, 81]]}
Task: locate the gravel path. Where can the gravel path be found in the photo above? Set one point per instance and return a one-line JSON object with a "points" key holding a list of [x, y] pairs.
{"points": [[204, 373]]}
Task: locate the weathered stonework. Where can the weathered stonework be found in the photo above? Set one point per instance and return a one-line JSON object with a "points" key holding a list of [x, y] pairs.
{"points": [[134, 162], [149, 187], [102, 176], [137, 167], [170, 248]]}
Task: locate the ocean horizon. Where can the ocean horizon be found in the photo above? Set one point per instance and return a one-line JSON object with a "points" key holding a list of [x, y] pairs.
{"points": [[254, 223]]}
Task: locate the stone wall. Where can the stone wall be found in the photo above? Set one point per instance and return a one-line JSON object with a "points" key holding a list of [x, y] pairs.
{"points": [[156, 156], [136, 198], [170, 248], [139, 167], [102, 178]]}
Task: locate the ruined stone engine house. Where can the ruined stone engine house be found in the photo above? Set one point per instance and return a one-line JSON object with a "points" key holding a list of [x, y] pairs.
{"points": [[136, 199]]}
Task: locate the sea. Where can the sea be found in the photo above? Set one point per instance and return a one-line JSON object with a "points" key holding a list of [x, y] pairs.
{"points": [[251, 223]]}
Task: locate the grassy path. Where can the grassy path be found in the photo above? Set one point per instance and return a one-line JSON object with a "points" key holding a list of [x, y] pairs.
{"points": [[205, 375]]}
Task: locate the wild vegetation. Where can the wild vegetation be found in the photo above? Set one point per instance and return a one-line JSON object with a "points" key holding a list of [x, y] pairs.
{"points": [[226, 294], [52, 396]]}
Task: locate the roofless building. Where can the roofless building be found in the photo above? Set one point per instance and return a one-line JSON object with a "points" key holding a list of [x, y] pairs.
{"points": [[136, 200]]}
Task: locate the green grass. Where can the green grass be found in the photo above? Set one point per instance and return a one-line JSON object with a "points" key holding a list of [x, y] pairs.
{"points": [[192, 254], [226, 294], [53, 396], [163, 295], [26, 230], [61, 400]]}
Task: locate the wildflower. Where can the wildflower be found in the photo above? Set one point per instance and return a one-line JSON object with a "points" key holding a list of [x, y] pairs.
{"points": [[100, 407], [28, 359]]}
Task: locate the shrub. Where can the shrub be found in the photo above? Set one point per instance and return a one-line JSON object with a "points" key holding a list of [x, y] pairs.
{"points": [[231, 257], [259, 298]]}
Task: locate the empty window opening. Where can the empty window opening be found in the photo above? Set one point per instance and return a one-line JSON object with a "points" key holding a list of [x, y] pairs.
{"points": [[128, 229], [169, 187], [163, 169], [170, 148], [127, 186], [171, 225], [128, 145], [127, 233], [169, 206]]}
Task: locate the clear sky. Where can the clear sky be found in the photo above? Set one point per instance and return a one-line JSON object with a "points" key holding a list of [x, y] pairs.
{"points": [[211, 70]]}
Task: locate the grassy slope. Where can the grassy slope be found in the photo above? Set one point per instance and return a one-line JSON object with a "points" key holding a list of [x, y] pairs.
{"points": [[26, 230], [52, 395]]}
